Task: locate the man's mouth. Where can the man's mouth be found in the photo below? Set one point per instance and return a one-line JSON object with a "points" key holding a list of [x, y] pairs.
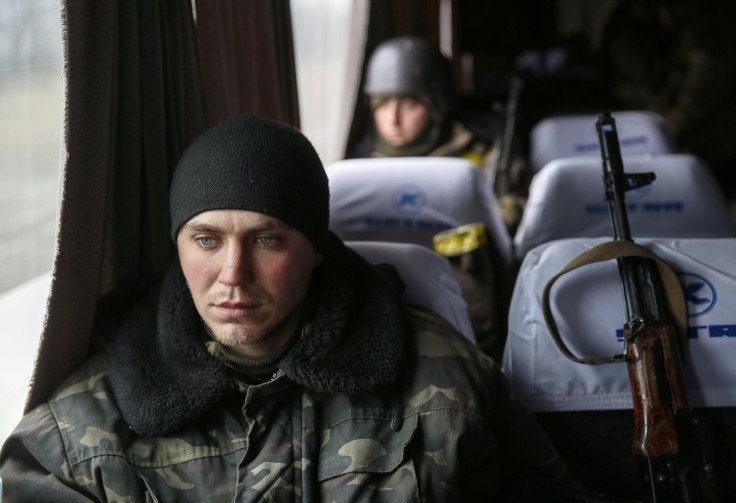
{"points": [[236, 309]]}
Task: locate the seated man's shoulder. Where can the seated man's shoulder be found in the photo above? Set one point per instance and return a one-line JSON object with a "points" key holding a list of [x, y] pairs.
{"points": [[84, 404], [91, 379], [433, 336], [80, 419], [441, 359]]}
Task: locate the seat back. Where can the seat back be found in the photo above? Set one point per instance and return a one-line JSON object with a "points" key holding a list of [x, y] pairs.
{"points": [[410, 199], [639, 132], [587, 409], [566, 200], [429, 279], [589, 310]]}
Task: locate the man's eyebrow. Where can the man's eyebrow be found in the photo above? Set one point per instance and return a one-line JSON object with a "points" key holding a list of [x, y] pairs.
{"points": [[205, 227], [200, 227], [269, 226]]}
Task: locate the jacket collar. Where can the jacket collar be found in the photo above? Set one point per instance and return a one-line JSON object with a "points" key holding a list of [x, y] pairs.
{"points": [[163, 376]]}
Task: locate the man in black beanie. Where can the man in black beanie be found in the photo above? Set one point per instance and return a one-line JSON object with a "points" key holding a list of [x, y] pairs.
{"points": [[250, 198], [273, 363]]}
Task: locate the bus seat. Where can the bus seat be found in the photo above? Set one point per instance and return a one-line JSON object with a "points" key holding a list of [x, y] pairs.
{"points": [[640, 132], [566, 200], [429, 279], [410, 199], [587, 409]]}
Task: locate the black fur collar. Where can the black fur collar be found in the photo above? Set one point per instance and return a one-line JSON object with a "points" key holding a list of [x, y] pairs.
{"points": [[163, 377]]}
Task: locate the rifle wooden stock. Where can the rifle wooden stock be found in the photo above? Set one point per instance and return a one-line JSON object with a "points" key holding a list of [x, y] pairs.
{"points": [[655, 373]]}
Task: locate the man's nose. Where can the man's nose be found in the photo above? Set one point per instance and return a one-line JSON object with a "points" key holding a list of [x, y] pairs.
{"points": [[395, 111], [236, 267]]}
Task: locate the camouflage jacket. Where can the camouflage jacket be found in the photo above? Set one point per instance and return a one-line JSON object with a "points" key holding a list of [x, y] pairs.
{"points": [[157, 418]]}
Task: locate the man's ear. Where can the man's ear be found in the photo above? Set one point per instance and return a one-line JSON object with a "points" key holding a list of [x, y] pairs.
{"points": [[317, 260]]}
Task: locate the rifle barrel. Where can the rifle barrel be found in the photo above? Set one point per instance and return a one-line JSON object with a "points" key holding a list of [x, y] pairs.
{"points": [[614, 177]]}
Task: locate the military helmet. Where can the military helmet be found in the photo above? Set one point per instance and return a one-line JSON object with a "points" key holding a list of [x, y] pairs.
{"points": [[411, 66]]}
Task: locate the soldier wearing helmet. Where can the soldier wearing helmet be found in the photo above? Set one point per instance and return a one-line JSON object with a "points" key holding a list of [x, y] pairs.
{"points": [[413, 102], [414, 111]]}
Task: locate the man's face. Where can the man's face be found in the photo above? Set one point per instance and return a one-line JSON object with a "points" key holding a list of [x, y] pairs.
{"points": [[400, 120], [248, 274]]}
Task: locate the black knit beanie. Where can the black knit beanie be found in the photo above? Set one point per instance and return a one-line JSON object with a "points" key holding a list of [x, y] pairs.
{"points": [[250, 163]]}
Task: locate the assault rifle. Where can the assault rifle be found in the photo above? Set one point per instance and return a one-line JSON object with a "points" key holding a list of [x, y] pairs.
{"points": [[663, 422]]}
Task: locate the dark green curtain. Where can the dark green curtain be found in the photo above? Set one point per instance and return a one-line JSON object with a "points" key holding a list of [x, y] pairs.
{"points": [[142, 79], [248, 59], [133, 101]]}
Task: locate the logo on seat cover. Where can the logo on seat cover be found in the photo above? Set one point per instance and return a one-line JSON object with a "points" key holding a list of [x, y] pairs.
{"points": [[700, 294], [409, 199]]}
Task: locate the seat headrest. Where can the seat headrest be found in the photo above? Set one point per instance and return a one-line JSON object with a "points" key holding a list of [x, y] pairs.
{"points": [[589, 310], [410, 199], [429, 278], [566, 200], [639, 132]]}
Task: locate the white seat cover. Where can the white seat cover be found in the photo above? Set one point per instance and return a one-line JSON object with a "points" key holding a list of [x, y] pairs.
{"points": [[410, 199], [639, 132], [588, 307], [566, 200], [430, 281]]}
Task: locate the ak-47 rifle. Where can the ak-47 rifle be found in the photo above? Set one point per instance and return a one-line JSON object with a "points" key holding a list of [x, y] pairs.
{"points": [[663, 422], [665, 435]]}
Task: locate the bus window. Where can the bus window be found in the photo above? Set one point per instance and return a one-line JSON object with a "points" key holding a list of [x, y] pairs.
{"points": [[31, 94], [328, 46]]}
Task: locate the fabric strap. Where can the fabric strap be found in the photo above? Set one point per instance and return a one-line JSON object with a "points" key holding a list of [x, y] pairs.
{"points": [[608, 251]]}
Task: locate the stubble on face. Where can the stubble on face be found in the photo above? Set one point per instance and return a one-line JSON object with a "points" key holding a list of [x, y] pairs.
{"points": [[248, 275]]}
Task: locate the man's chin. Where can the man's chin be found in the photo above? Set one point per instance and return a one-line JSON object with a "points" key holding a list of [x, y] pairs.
{"points": [[252, 342], [238, 336], [255, 337], [397, 142]]}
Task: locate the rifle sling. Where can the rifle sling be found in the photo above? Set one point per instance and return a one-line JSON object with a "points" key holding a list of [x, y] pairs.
{"points": [[608, 251]]}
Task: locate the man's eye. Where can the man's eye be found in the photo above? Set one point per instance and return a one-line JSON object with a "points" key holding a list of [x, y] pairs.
{"points": [[206, 242], [265, 240]]}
